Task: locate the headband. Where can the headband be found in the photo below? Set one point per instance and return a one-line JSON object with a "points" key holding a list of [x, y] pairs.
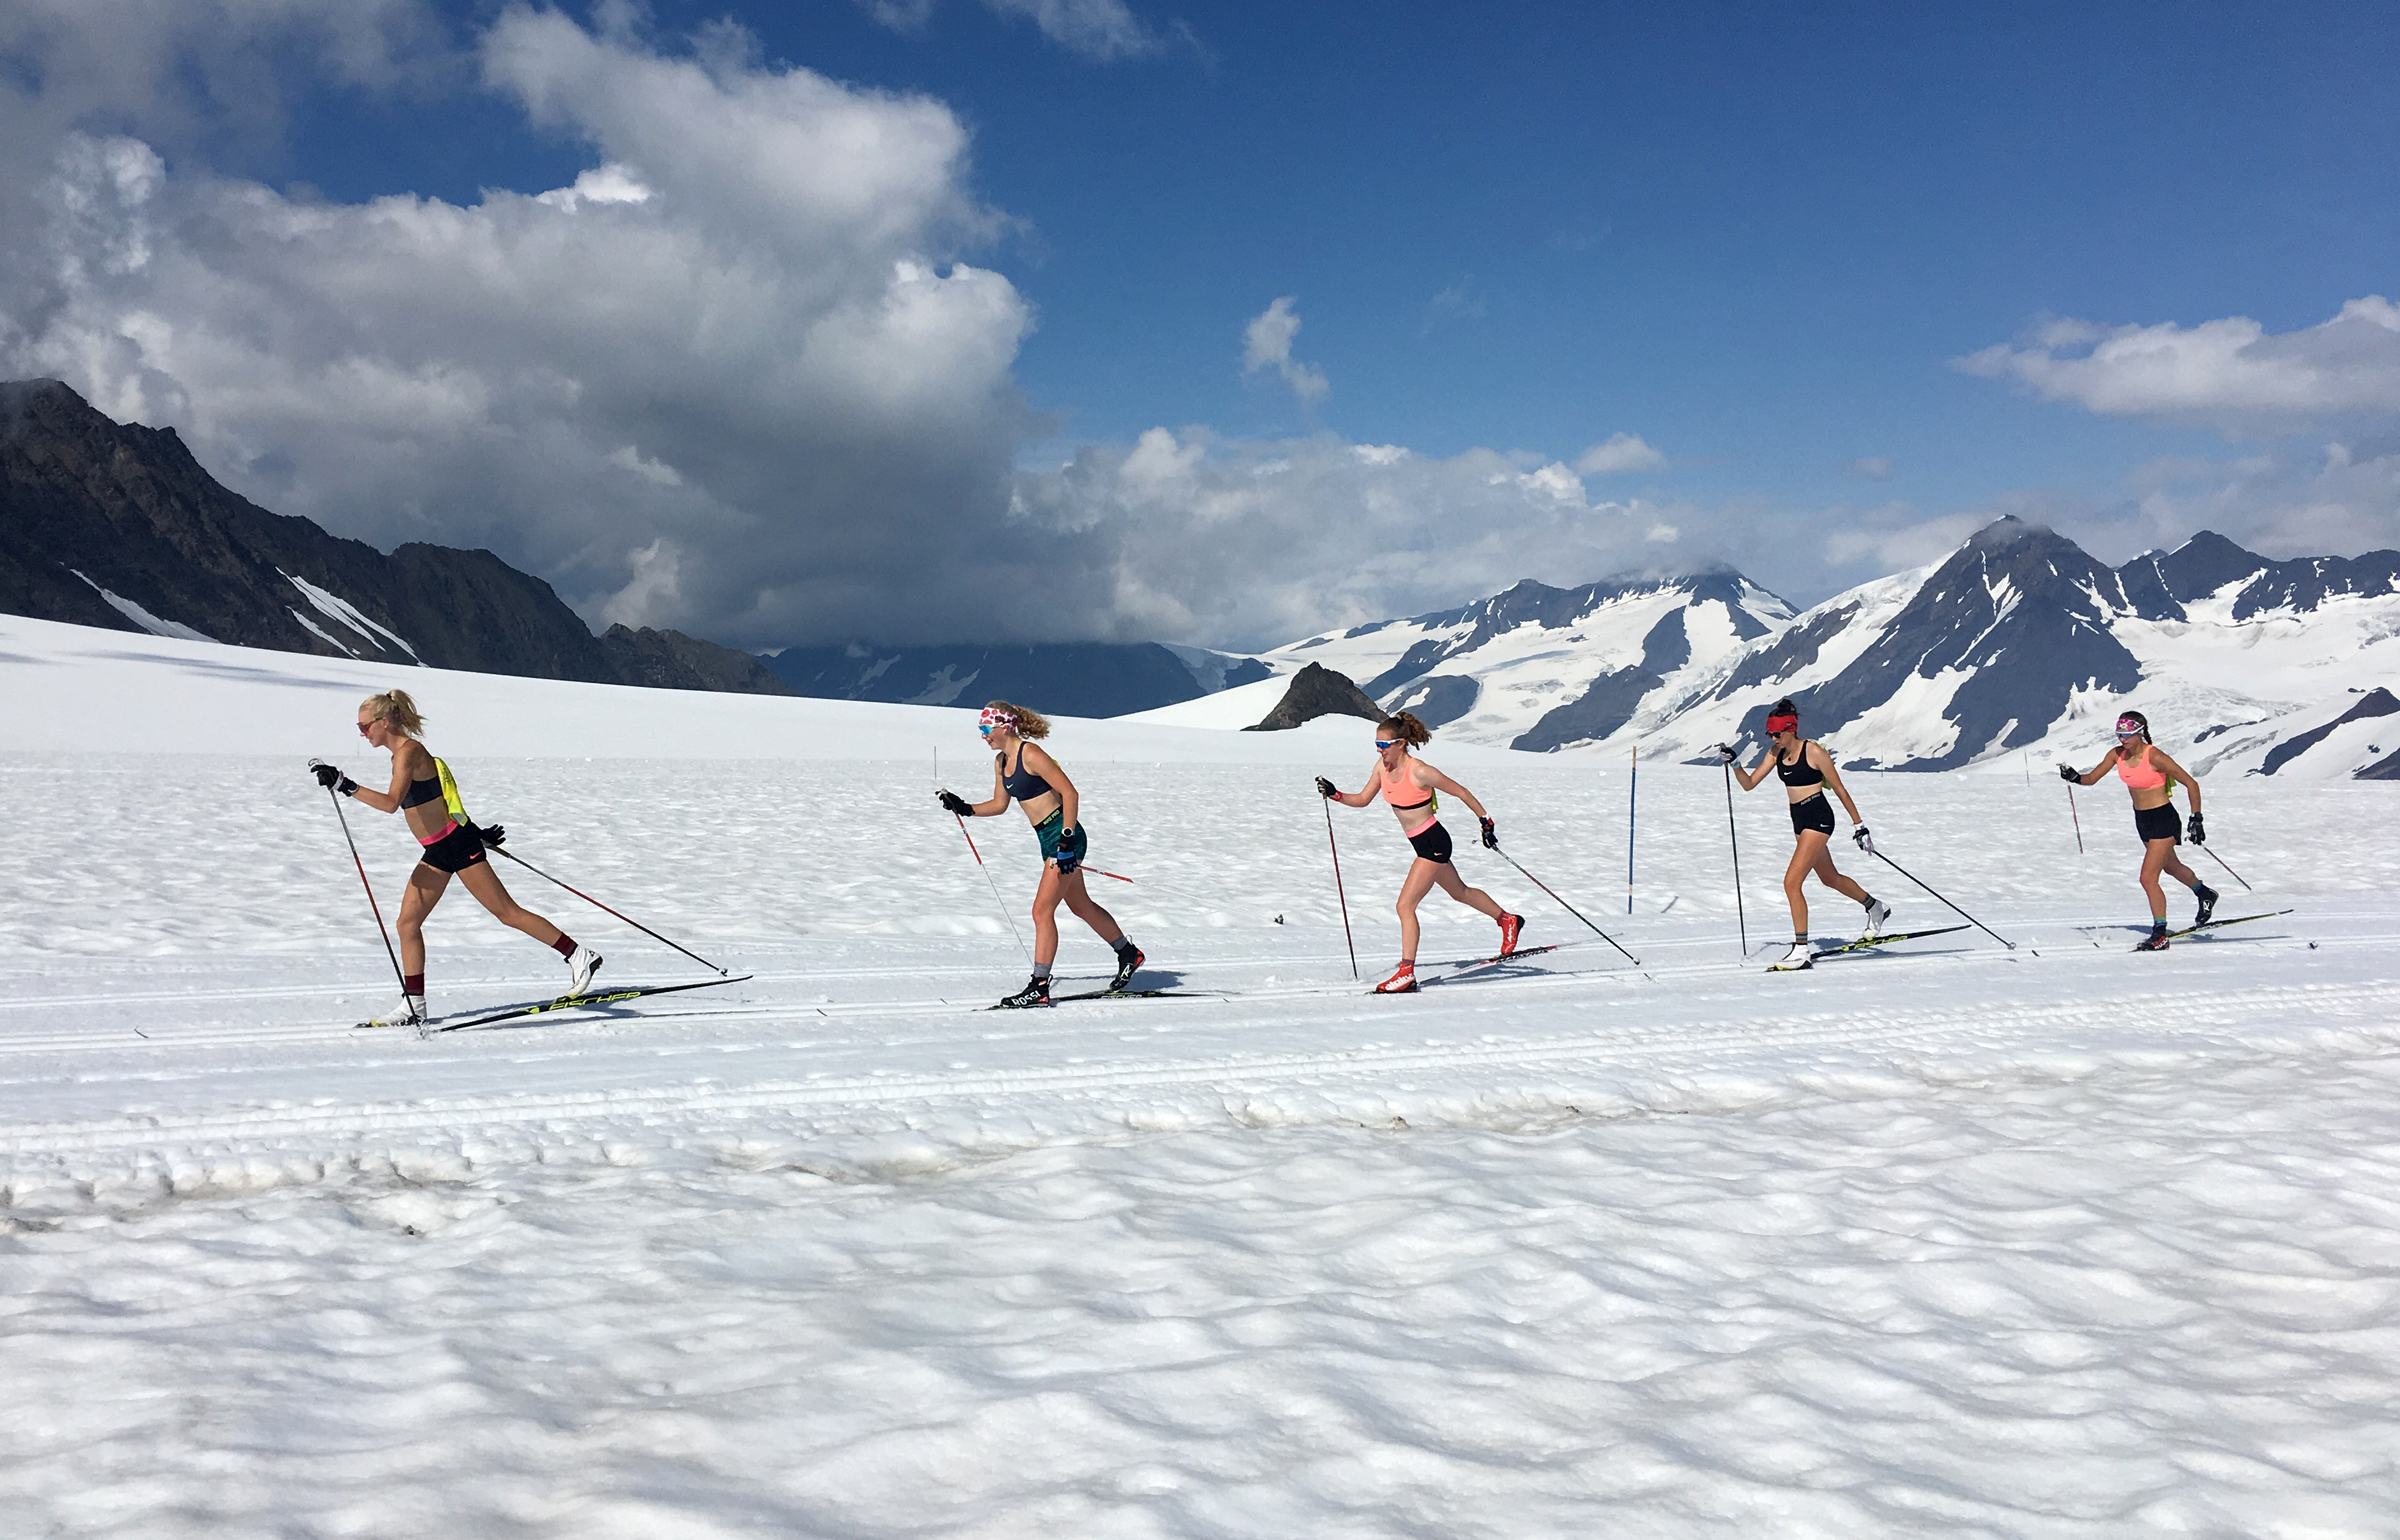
{"points": [[993, 716], [1782, 724]]}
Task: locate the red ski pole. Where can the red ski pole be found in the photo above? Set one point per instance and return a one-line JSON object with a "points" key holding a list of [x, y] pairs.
{"points": [[2078, 817], [370, 887], [995, 887]]}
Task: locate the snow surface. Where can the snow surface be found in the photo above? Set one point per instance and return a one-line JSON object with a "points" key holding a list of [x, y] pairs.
{"points": [[1955, 1240]]}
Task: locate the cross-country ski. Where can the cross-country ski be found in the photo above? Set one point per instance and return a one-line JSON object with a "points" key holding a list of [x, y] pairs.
{"points": [[595, 998]]}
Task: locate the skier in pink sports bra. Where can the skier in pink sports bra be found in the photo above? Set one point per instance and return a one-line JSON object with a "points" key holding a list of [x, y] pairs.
{"points": [[2151, 777], [1411, 788]]}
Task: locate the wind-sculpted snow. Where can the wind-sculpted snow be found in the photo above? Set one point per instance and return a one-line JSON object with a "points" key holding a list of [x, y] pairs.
{"points": [[1957, 1239]]}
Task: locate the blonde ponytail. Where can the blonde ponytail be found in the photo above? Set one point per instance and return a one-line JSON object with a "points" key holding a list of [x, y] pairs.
{"points": [[395, 707]]}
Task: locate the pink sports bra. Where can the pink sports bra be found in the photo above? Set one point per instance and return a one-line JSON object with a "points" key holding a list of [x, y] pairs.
{"points": [[1396, 785], [2150, 778]]}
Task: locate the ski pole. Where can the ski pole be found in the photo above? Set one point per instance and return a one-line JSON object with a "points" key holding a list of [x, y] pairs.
{"points": [[1739, 918], [1563, 904], [1633, 780], [2229, 871], [1961, 913], [397, 975], [2078, 817], [1337, 885], [995, 887], [596, 904]]}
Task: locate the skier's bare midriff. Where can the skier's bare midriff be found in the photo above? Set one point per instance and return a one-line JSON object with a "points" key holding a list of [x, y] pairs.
{"points": [[1041, 807]]}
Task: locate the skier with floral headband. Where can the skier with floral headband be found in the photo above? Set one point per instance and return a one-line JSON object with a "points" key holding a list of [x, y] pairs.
{"points": [[1024, 773]]}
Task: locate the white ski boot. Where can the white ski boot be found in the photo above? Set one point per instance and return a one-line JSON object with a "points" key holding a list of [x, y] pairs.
{"points": [[584, 964], [1879, 914], [1802, 955], [410, 1014]]}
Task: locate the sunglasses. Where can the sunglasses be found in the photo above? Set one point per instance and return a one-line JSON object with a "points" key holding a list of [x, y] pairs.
{"points": [[1385, 743], [369, 722], [2129, 732]]}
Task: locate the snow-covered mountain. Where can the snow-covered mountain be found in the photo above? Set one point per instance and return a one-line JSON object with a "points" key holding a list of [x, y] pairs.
{"points": [[2018, 641], [1543, 668]]}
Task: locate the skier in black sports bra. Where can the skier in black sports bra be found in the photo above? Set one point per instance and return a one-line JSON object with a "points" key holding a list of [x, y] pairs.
{"points": [[451, 849], [1806, 770], [1024, 773]]}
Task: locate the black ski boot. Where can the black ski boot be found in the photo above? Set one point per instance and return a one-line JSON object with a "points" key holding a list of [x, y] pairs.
{"points": [[1129, 958], [1035, 992], [2156, 941], [2208, 902]]}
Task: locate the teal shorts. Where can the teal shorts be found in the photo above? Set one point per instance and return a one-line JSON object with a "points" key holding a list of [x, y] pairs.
{"points": [[1053, 847]]}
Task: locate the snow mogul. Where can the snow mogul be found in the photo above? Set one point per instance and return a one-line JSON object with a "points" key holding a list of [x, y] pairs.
{"points": [[1024, 773], [1806, 770], [1412, 789], [2151, 777], [422, 788]]}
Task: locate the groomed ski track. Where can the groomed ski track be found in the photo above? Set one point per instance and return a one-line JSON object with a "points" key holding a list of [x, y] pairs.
{"points": [[2066, 1241]]}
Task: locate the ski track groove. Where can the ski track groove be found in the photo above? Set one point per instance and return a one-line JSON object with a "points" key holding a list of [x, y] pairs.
{"points": [[1238, 1074]]}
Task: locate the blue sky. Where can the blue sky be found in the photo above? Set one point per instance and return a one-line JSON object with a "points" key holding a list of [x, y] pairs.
{"points": [[1755, 237]]}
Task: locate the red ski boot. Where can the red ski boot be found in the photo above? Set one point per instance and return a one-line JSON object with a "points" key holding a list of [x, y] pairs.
{"points": [[1402, 982]]}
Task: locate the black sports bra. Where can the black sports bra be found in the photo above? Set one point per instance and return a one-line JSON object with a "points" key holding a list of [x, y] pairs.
{"points": [[421, 792], [1021, 783], [1801, 773]]}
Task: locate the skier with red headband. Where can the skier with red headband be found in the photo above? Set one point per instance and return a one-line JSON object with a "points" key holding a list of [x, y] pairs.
{"points": [[2151, 777], [1024, 773], [1806, 770]]}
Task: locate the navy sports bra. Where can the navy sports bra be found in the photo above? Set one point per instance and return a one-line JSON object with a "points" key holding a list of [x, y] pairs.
{"points": [[1021, 783], [421, 792], [1802, 773]]}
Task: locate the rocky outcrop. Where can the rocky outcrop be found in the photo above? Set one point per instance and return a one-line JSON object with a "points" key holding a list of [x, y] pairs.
{"points": [[1317, 691]]}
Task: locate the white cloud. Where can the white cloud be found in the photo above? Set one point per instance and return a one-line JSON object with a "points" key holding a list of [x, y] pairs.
{"points": [[2230, 373], [1267, 344], [731, 380], [1871, 468], [1622, 452], [1102, 30]]}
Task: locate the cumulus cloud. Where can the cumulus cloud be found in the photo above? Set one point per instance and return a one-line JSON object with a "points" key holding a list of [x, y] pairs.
{"points": [[1267, 345], [2229, 373], [1622, 452], [732, 379], [1251, 544]]}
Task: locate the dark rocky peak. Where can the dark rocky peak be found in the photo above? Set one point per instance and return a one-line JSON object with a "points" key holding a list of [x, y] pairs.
{"points": [[1317, 691], [2208, 563], [2022, 611]]}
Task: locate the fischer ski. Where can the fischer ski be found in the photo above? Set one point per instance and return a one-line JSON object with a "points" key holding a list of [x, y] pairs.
{"points": [[2239, 919], [1865, 942], [1111, 994], [1469, 964], [572, 1002]]}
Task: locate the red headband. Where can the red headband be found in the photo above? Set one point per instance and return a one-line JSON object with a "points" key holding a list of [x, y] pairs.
{"points": [[1782, 724]]}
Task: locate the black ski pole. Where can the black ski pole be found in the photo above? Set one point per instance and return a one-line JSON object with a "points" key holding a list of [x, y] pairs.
{"points": [[1009, 919], [596, 904], [2230, 872], [1739, 918], [1563, 904], [1961, 913], [397, 975], [1337, 885]]}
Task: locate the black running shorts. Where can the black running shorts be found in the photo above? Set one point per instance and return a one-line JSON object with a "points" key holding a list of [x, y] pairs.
{"points": [[454, 851], [1432, 843], [2159, 823], [1812, 813]]}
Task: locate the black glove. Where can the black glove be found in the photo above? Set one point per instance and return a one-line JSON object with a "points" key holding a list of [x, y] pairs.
{"points": [[332, 779], [2070, 773], [1866, 841], [1491, 835], [1326, 788], [493, 837], [1067, 859], [1728, 753], [954, 803], [2199, 829]]}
